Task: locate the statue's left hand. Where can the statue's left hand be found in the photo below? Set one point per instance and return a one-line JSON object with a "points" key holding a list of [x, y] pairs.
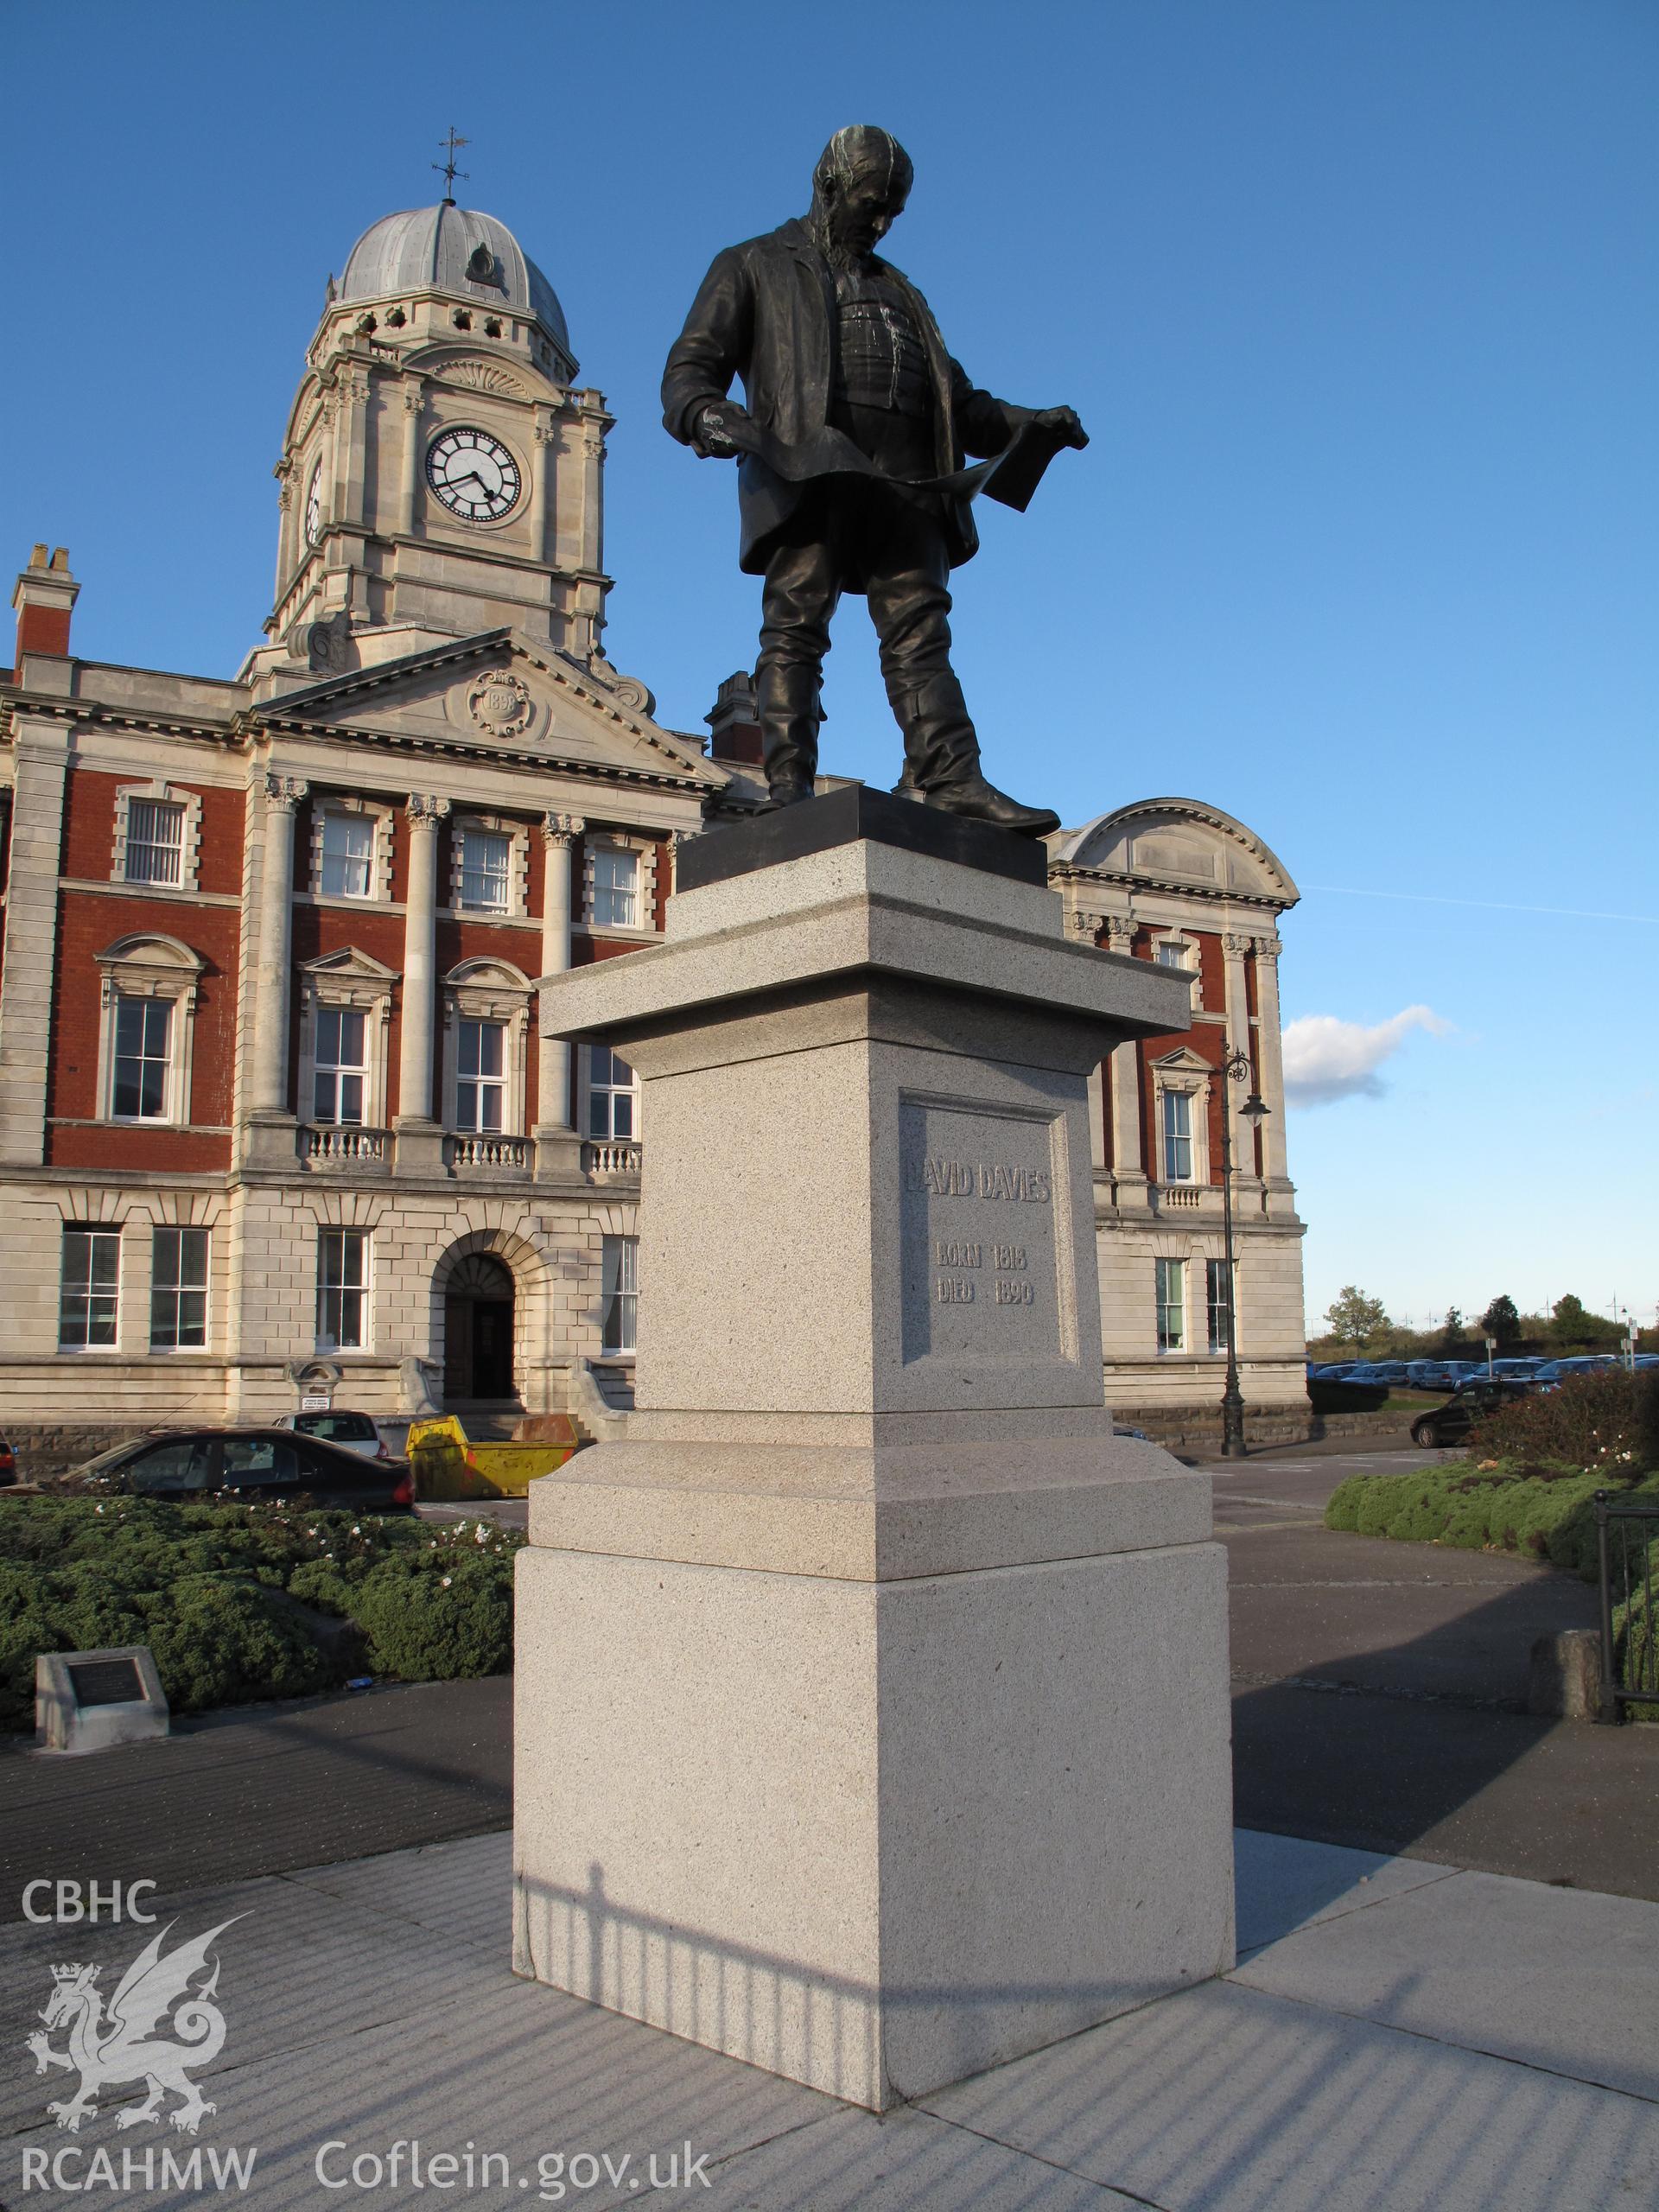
{"points": [[1064, 420]]}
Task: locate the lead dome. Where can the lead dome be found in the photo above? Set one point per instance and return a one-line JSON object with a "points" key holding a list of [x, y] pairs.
{"points": [[457, 251]]}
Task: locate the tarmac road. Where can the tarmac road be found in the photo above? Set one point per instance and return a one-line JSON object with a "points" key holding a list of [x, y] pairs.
{"points": [[1378, 1690]]}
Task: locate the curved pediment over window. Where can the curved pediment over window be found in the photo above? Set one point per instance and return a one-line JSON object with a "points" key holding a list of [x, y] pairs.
{"points": [[488, 973], [1181, 842], [167, 955]]}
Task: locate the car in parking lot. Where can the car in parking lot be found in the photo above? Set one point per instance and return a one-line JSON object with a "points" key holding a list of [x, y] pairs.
{"points": [[246, 1466], [1440, 1374], [1516, 1369], [8, 1463], [353, 1431], [1469, 1403], [1558, 1370]]}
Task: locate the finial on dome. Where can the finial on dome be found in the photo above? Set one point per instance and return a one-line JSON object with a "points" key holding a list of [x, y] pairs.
{"points": [[446, 167]]}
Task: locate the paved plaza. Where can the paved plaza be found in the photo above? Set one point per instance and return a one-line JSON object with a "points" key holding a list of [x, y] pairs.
{"points": [[1409, 2029], [1398, 2036]]}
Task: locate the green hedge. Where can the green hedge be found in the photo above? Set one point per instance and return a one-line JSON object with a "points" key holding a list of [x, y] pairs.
{"points": [[1547, 1512], [1544, 1511], [221, 1594], [1605, 1424]]}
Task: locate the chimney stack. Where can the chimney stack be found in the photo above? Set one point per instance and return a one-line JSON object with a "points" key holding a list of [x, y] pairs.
{"points": [[736, 724], [45, 596]]}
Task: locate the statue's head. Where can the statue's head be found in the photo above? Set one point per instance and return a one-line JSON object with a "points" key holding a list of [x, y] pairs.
{"points": [[860, 188]]}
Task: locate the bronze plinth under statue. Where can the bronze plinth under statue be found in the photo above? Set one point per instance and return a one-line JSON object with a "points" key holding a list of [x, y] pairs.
{"points": [[853, 474]]}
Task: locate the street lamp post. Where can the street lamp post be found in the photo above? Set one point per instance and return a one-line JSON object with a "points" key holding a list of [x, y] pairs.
{"points": [[1236, 1068]]}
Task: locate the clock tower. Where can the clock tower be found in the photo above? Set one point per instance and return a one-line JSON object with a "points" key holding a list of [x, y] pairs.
{"points": [[441, 471]]}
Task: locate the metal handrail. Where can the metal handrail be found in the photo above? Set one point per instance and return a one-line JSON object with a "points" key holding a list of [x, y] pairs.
{"points": [[1636, 1682]]}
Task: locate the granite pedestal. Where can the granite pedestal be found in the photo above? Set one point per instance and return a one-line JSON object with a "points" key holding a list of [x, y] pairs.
{"points": [[872, 1717]]}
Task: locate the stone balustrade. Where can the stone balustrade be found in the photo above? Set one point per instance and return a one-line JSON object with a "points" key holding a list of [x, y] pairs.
{"points": [[469, 1154], [610, 1156], [329, 1144]]}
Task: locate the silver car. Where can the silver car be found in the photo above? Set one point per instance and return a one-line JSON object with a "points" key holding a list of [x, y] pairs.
{"points": [[350, 1432]]}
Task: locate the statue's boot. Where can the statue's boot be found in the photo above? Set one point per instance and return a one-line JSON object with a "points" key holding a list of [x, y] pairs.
{"points": [[942, 762], [787, 703]]}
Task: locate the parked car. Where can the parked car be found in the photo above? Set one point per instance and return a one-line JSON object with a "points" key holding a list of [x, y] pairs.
{"points": [[1516, 1369], [1334, 1370], [8, 1463], [1594, 1363], [249, 1466], [352, 1432], [1431, 1374], [1469, 1403], [1377, 1373]]}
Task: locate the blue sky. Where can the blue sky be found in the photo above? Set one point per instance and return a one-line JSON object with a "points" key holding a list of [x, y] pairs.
{"points": [[1357, 299]]}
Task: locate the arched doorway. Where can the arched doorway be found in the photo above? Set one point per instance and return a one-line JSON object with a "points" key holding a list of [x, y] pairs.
{"points": [[478, 1328]]}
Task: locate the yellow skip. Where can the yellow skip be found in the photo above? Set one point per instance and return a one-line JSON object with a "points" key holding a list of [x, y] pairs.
{"points": [[446, 1464]]}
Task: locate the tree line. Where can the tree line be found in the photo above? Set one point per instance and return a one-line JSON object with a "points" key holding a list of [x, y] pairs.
{"points": [[1358, 1325]]}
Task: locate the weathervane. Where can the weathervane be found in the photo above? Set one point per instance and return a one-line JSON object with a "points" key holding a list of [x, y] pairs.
{"points": [[452, 146]]}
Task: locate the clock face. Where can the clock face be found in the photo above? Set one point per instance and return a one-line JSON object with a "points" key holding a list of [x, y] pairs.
{"points": [[314, 506], [473, 474]]}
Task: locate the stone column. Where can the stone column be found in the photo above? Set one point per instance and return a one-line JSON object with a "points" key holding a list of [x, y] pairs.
{"points": [[1127, 1166], [350, 447], [410, 491], [1086, 927], [1234, 948], [1269, 1058], [270, 1125], [333, 437], [595, 421], [40, 769], [420, 1139], [542, 463], [558, 1145], [287, 507]]}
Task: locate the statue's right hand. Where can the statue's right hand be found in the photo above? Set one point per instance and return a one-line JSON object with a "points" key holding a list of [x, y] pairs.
{"points": [[711, 438]]}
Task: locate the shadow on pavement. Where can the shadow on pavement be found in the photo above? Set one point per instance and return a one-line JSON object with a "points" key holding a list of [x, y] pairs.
{"points": [[1423, 1746]]}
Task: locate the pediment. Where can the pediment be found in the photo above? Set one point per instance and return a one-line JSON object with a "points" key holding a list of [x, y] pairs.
{"points": [[1184, 1061], [149, 949], [349, 964], [498, 692], [486, 974], [1181, 842]]}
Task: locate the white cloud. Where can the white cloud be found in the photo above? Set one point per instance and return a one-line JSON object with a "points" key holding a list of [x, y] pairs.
{"points": [[1326, 1059]]}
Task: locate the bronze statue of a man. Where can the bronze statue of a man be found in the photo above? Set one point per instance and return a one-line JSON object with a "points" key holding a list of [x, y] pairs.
{"points": [[852, 476]]}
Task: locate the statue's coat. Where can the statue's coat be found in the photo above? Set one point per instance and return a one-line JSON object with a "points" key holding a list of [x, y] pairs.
{"points": [[766, 312]]}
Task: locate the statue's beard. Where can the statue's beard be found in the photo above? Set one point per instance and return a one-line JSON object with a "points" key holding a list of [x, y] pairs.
{"points": [[840, 252]]}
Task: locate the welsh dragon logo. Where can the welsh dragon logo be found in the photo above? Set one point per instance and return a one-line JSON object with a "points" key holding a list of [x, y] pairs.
{"points": [[111, 2049]]}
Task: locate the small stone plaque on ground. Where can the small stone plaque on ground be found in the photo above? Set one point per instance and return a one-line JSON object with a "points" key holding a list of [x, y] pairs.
{"points": [[106, 1681], [92, 1700]]}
